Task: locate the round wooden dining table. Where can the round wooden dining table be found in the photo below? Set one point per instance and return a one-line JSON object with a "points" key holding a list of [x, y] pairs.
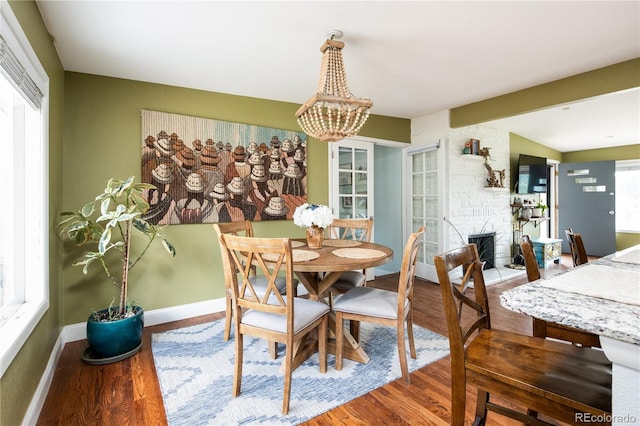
{"points": [[318, 269]]}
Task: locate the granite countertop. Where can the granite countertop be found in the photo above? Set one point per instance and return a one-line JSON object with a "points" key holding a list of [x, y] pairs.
{"points": [[602, 316]]}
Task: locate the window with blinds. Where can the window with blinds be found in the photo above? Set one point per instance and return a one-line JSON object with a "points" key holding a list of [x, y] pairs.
{"points": [[24, 231]]}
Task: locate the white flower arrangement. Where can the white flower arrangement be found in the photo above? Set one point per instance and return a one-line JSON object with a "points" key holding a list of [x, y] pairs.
{"points": [[308, 215]]}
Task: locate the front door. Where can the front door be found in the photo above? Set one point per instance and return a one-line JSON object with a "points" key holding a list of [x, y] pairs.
{"points": [[586, 203]]}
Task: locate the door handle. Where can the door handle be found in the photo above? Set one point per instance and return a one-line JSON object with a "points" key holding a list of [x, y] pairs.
{"points": [[611, 212]]}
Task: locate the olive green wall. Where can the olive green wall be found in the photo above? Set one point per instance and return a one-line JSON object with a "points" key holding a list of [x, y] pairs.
{"points": [[103, 139], [22, 377], [521, 145], [628, 152], [622, 76]]}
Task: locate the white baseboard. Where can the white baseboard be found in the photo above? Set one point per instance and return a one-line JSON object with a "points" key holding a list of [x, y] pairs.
{"points": [[381, 272], [37, 402], [74, 332]]}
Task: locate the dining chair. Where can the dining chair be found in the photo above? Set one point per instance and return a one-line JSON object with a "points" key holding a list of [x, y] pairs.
{"points": [[384, 307], [576, 245], [539, 375], [546, 329], [243, 228], [271, 315], [350, 229]]}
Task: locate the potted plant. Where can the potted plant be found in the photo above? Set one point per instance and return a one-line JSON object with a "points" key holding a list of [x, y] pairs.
{"points": [[106, 225], [539, 210]]}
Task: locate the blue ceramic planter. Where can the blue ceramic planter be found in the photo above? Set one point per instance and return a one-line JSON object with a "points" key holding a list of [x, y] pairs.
{"points": [[110, 339]]}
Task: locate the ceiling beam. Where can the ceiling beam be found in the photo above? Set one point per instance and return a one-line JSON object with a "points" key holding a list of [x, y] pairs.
{"points": [[610, 79]]}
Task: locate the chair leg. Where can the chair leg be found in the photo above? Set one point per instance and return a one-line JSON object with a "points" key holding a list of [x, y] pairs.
{"points": [[237, 377], [227, 319], [339, 340], [288, 363], [354, 328], [273, 349], [458, 397], [322, 343], [481, 408], [402, 353], [412, 343]]}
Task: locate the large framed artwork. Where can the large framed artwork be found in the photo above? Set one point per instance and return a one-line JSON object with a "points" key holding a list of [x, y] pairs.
{"points": [[208, 171]]}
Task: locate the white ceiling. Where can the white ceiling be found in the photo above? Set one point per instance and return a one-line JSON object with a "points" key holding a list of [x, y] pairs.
{"points": [[410, 57]]}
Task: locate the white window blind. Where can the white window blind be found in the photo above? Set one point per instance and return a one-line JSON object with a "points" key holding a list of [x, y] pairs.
{"points": [[13, 69]]}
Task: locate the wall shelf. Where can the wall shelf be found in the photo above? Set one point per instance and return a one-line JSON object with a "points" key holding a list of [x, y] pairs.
{"points": [[535, 220], [515, 209], [474, 156]]}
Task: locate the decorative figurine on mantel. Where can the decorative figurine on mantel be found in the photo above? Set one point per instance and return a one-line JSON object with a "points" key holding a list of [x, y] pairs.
{"points": [[496, 177]]}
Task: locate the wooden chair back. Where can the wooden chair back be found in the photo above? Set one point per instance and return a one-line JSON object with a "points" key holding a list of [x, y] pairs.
{"points": [[244, 228], [546, 329], [554, 378], [270, 256], [576, 244], [408, 271], [467, 259], [351, 229], [356, 306], [269, 314], [582, 253], [530, 261]]}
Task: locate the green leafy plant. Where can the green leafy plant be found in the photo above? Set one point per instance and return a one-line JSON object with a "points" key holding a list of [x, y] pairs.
{"points": [[542, 206], [107, 224]]}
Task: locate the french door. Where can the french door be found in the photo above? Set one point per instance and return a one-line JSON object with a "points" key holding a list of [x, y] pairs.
{"points": [[351, 162], [424, 180]]}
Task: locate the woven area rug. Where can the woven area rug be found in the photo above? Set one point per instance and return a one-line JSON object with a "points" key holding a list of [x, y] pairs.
{"points": [[195, 371]]}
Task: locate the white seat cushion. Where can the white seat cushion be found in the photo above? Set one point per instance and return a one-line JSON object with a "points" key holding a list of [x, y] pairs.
{"points": [[305, 312], [348, 280], [260, 284], [369, 301]]}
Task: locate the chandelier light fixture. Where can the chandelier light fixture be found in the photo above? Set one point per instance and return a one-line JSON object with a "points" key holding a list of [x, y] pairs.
{"points": [[333, 113]]}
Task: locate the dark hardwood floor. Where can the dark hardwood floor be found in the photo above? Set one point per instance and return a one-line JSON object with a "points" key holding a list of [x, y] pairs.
{"points": [[127, 392]]}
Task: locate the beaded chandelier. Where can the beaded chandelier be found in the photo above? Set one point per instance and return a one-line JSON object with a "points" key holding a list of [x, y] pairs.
{"points": [[332, 113]]}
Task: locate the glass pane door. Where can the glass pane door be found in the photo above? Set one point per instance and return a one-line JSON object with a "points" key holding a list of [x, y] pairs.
{"points": [[351, 167], [353, 176], [424, 207]]}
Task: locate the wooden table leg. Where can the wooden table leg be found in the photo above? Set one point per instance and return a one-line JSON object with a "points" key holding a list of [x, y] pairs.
{"points": [[316, 287], [351, 349]]}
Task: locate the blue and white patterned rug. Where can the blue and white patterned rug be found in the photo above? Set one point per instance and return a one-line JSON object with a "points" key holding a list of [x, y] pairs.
{"points": [[195, 371]]}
